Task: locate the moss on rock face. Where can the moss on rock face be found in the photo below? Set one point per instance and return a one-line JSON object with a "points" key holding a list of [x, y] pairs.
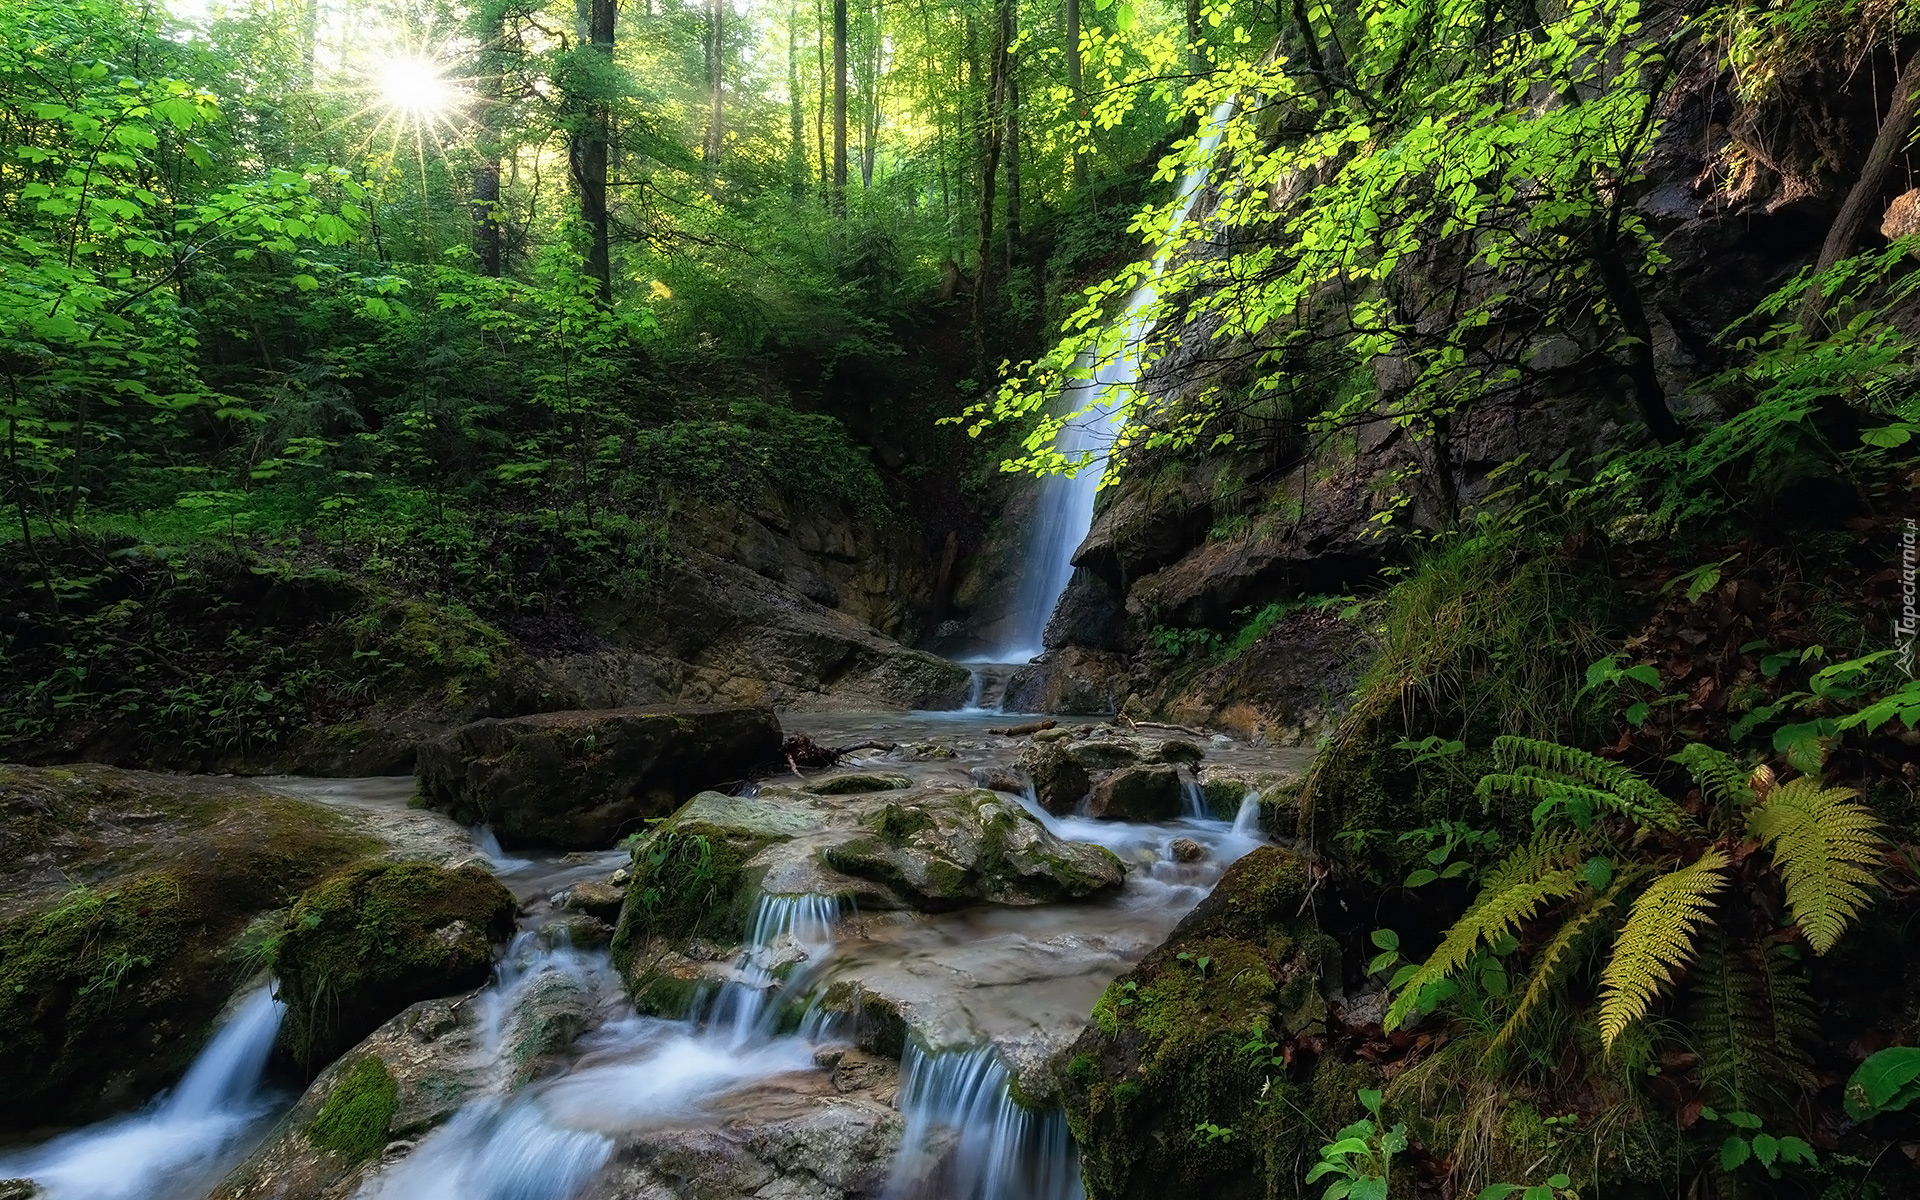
{"points": [[369, 941], [354, 1119], [124, 903], [1168, 1046]]}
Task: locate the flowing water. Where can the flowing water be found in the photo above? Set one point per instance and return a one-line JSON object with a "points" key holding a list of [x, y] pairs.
{"points": [[1063, 510], [180, 1145]]}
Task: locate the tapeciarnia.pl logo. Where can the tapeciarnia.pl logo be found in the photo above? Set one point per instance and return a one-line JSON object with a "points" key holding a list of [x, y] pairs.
{"points": [[1908, 622]]}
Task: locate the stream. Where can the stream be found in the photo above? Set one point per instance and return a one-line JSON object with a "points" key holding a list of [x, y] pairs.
{"points": [[988, 993]]}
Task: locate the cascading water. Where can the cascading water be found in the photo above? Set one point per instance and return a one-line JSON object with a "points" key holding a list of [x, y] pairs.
{"points": [[747, 1007], [967, 1139], [1063, 511], [1246, 822], [181, 1143]]}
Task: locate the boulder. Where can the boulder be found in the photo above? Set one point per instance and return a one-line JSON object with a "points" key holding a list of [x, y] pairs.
{"points": [[582, 780], [1165, 1050], [944, 850], [125, 898], [596, 899], [1071, 679], [375, 938], [996, 778], [1059, 782], [858, 782], [1150, 793], [1104, 754]]}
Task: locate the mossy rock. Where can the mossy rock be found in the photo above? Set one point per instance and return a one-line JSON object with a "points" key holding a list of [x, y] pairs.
{"points": [[858, 783], [125, 901], [367, 942], [1166, 1050], [1059, 782], [353, 1122], [690, 877]]}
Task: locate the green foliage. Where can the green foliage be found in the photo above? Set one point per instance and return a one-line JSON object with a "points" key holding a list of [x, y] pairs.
{"points": [[1360, 1157], [1825, 846], [1657, 940], [1888, 1081]]}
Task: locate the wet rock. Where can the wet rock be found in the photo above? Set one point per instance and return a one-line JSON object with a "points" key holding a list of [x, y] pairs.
{"points": [[1164, 1050], [577, 930], [1105, 753], [403, 1081], [601, 900], [378, 937], [997, 778], [1059, 782], [942, 850], [1186, 850], [1176, 750], [125, 898], [857, 782], [620, 878], [19, 1189], [1071, 679], [582, 779], [1138, 794]]}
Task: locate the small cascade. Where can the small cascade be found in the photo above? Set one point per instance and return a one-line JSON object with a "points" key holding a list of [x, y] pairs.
{"points": [[489, 846], [1197, 807], [1246, 822], [180, 1144], [967, 1139], [1063, 512], [746, 1008]]}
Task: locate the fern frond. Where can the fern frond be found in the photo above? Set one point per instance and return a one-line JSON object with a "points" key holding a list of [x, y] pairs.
{"points": [[1721, 779], [1825, 844], [1543, 870], [1751, 1022], [1557, 956], [1657, 940], [1579, 775]]}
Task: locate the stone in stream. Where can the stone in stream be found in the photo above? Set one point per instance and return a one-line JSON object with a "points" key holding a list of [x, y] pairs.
{"points": [[856, 783], [1059, 782], [125, 901], [582, 780], [697, 875], [601, 900], [378, 937], [1151, 793]]}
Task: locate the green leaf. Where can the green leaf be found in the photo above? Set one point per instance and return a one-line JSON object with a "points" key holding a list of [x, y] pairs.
{"points": [[306, 283], [1886, 1082], [1385, 939], [1765, 1148], [1597, 872], [1734, 1152], [1421, 878]]}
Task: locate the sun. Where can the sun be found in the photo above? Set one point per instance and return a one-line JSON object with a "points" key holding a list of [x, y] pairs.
{"points": [[415, 88]]}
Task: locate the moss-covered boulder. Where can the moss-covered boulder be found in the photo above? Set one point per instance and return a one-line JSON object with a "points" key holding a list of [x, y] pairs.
{"points": [[124, 897], [943, 849], [1167, 1048], [1138, 794], [582, 780], [857, 782], [377, 937]]}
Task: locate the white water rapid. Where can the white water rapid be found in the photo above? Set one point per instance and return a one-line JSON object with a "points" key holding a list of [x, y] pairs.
{"points": [[967, 1139], [1063, 511], [179, 1145]]}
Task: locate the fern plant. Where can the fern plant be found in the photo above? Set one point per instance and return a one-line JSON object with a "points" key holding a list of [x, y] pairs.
{"points": [[1614, 858]]}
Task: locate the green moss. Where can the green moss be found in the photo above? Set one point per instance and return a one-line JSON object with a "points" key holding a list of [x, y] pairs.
{"points": [[688, 882], [856, 784], [354, 1120], [362, 945]]}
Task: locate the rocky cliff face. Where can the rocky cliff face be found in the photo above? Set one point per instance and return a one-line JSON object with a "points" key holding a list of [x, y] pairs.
{"points": [[1169, 611]]}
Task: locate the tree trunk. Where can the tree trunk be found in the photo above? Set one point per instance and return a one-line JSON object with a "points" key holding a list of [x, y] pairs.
{"points": [[840, 106], [1011, 96], [820, 113], [796, 120], [992, 128], [1078, 100], [870, 93], [1196, 62], [486, 175], [717, 75], [587, 157], [1866, 189]]}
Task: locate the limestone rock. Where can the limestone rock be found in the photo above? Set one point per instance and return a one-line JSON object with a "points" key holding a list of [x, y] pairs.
{"points": [[376, 938], [124, 902], [601, 900], [1150, 793], [857, 782], [1186, 850], [1903, 216], [943, 850], [582, 779], [1071, 679], [997, 778], [1105, 753]]}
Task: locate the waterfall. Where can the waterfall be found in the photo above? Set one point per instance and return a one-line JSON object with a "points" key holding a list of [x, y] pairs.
{"points": [[967, 1138], [1063, 511], [182, 1143], [1196, 799], [747, 1008], [1246, 822]]}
